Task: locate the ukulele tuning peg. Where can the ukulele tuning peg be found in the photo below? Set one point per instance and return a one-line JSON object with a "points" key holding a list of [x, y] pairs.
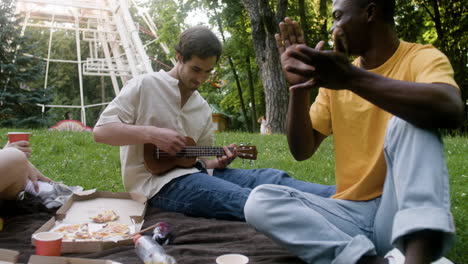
{"points": [[250, 162], [241, 144], [249, 144], [243, 162]]}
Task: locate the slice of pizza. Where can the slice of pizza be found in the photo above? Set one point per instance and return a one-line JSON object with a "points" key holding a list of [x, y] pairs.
{"points": [[111, 229], [117, 228], [70, 231], [105, 216]]}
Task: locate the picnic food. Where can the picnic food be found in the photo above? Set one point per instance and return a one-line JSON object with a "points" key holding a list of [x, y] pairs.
{"points": [[106, 216], [97, 232]]}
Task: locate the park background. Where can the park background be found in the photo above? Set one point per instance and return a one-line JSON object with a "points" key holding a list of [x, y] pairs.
{"points": [[244, 86]]}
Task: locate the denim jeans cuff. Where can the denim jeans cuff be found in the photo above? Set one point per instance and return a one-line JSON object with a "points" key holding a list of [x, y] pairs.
{"points": [[416, 219], [359, 246]]}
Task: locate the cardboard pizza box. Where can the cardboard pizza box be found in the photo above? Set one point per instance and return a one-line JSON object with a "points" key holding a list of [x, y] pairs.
{"points": [[35, 259], [130, 207], [8, 256]]}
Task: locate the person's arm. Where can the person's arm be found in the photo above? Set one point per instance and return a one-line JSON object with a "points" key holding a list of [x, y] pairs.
{"points": [[428, 105], [120, 134], [22, 145], [303, 139]]}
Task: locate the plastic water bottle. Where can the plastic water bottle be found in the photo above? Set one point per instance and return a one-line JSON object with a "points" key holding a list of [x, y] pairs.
{"points": [[151, 252]]}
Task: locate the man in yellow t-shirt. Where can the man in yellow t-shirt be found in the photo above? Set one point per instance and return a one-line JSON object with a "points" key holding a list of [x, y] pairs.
{"points": [[382, 109]]}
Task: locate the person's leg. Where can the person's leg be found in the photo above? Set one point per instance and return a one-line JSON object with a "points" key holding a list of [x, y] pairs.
{"points": [[318, 230], [200, 194], [14, 168], [255, 177], [416, 201]]}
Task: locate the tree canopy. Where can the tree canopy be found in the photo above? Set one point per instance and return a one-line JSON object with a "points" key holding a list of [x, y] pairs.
{"points": [[246, 84]]}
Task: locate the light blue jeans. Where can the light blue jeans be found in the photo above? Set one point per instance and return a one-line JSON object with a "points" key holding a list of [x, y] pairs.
{"points": [[322, 230], [223, 195]]}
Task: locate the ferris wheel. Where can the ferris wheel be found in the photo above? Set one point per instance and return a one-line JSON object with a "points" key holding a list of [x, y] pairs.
{"points": [[106, 26]]}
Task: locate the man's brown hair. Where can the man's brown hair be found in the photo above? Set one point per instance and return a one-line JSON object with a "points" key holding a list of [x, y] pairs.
{"points": [[199, 41]]}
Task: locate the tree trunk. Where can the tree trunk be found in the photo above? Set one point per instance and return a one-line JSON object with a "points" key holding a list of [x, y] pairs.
{"points": [[252, 95], [264, 26], [323, 14], [303, 17], [239, 88]]}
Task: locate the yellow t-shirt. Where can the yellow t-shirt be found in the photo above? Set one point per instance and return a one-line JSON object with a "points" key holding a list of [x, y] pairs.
{"points": [[359, 127]]}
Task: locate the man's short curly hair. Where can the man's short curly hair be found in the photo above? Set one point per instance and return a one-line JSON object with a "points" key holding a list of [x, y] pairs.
{"points": [[387, 6], [199, 41]]}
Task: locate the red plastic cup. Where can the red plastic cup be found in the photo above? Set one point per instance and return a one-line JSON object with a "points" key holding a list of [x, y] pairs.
{"points": [[48, 243], [18, 136]]}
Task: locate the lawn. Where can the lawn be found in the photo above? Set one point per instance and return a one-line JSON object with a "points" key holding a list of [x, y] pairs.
{"points": [[75, 159]]}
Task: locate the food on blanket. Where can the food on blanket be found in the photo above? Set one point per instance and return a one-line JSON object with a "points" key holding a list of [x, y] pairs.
{"points": [[69, 231], [84, 232], [115, 229], [72, 228], [106, 216]]}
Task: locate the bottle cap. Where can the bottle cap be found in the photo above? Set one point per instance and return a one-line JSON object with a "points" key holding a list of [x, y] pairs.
{"points": [[136, 237]]}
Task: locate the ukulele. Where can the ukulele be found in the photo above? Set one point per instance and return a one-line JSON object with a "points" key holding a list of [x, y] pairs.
{"points": [[158, 162]]}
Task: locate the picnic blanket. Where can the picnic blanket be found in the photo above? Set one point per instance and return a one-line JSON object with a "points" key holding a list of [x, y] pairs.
{"points": [[194, 240]]}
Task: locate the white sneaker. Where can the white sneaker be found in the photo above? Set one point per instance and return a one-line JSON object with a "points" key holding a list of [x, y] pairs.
{"points": [[395, 256]]}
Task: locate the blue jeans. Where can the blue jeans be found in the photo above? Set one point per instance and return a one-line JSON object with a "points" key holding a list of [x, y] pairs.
{"points": [[223, 195], [322, 230]]}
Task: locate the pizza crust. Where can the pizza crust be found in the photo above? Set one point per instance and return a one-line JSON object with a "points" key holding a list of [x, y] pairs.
{"points": [[105, 216], [93, 232]]}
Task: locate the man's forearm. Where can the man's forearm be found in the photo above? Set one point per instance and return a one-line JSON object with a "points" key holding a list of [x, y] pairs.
{"points": [[301, 139], [119, 134], [429, 105]]}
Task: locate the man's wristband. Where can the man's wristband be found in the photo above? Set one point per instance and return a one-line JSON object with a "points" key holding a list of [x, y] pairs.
{"points": [[201, 163]]}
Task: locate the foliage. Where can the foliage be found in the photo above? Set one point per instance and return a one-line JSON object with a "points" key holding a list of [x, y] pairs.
{"points": [[18, 100], [443, 24], [75, 159], [168, 16], [63, 78]]}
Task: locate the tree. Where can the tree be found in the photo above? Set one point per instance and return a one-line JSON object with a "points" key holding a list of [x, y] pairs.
{"points": [[18, 96], [443, 24], [264, 23]]}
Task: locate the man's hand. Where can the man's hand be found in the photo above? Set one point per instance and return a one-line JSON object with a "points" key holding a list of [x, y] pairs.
{"points": [[222, 162], [168, 140], [307, 67], [327, 68], [35, 175], [290, 35], [22, 145]]}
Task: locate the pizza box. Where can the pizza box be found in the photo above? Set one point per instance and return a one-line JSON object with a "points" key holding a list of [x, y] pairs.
{"points": [[8, 256], [35, 259], [130, 207]]}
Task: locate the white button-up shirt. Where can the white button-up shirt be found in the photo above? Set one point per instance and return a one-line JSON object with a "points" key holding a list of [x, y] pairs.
{"points": [[154, 99]]}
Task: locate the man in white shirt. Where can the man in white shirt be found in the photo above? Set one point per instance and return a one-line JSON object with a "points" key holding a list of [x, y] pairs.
{"points": [[165, 107]]}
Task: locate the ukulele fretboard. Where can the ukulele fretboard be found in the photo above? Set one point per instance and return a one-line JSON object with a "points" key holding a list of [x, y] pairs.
{"points": [[192, 151]]}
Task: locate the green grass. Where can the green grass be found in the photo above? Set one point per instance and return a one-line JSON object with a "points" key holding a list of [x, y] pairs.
{"points": [[75, 159]]}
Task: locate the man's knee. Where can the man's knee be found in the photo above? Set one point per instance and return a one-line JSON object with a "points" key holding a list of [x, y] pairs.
{"points": [[13, 161], [13, 157], [14, 166], [258, 204]]}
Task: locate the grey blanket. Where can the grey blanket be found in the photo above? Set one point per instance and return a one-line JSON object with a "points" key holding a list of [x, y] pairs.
{"points": [[193, 240]]}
